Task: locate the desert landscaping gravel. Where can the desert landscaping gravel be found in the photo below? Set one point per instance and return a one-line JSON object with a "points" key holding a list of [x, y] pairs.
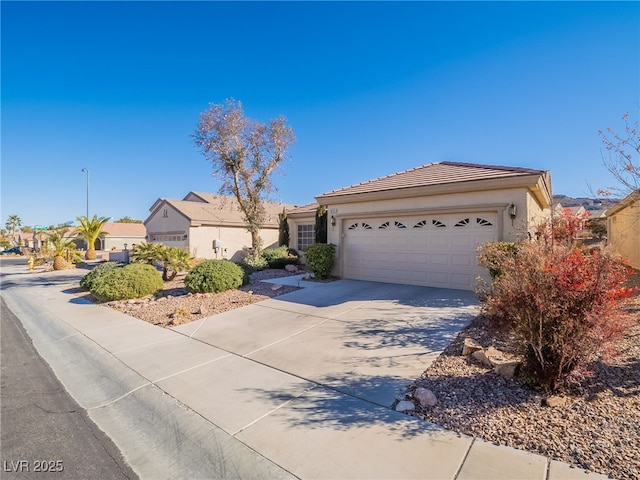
{"points": [[596, 427], [174, 306]]}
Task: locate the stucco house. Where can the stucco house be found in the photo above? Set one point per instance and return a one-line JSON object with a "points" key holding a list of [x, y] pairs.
{"points": [[208, 225], [422, 226], [623, 229]]}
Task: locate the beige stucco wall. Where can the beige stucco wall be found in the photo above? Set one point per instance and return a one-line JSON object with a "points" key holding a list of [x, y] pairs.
{"points": [[174, 223], [624, 233], [232, 241], [117, 243]]}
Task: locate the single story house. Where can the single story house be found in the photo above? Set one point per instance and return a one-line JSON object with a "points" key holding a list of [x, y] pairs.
{"points": [[114, 237], [208, 225], [623, 229], [422, 226]]}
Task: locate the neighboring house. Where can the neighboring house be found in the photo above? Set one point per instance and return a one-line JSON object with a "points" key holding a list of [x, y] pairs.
{"points": [[119, 235], [577, 212], [115, 236], [623, 229], [423, 226], [208, 225]]}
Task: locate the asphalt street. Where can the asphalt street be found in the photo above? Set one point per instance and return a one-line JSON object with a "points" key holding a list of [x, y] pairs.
{"points": [[44, 432]]}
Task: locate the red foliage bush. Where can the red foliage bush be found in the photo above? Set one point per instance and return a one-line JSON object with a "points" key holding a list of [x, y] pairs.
{"points": [[562, 304]]}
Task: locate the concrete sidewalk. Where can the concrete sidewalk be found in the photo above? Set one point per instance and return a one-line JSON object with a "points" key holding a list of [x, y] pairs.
{"points": [[299, 386]]}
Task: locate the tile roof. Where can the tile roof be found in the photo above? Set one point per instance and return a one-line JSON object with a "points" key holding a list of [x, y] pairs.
{"points": [[125, 229], [304, 209], [219, 210], [437, 173]]}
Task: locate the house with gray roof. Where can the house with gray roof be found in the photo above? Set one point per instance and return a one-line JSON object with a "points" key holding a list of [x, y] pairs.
{"points": [[208, 225], [423, 226]]}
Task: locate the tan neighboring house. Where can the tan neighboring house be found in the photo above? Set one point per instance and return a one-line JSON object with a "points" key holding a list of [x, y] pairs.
{"points": [[116, 236], [120, 234], [208, 225], [423, 226], [623, 229]]}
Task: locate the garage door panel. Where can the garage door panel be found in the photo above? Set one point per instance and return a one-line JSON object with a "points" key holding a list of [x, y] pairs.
{"points": [[437, 241], [428, 251], [462, 260], [438, 259]]}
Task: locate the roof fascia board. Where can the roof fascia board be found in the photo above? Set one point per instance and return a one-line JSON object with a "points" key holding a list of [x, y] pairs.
{"points": [[624, 203], [528, 181]]}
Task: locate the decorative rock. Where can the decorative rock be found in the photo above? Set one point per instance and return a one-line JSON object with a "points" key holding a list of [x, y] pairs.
{"points": [[494, 356], [480, 356], [405, 406], [470, 346], [554, 401], [276, 286], [507, 369], [426, 397], [291, 268], [202, 310]]}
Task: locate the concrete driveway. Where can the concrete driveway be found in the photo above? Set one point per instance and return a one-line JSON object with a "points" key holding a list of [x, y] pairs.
{"points": [[367, 340], [294, 387]]}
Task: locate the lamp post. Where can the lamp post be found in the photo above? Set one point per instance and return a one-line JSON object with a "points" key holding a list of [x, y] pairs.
{"points": [[87, 171]]}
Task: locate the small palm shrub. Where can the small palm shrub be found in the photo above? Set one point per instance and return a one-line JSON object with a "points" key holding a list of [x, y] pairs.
{"points": [[131, 281], [214, 276], [147, 252], [279, 257], [90, 278], [320, 258], [175, 260]]}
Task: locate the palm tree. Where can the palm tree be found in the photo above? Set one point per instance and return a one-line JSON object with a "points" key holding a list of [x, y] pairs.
{"points": [[90, 230], [13, 222], [60, 243], [146, 252], [174, 260]]}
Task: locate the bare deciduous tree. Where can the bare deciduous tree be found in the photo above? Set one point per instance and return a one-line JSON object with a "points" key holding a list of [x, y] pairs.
{"points": [[622, 157], [244, 153]]}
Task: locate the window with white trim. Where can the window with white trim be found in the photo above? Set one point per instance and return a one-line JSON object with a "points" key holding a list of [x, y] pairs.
{"points": [[306, 236]]}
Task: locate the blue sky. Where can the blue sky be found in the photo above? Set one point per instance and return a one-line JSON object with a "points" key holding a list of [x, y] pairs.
{"points": [[370, 88]]}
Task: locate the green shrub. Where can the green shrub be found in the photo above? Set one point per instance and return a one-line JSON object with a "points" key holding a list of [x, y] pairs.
{"points": [[253, 259], [131, 281], [214, 276], [320, 258], [279, 257], [246, 272], [96, 272]]}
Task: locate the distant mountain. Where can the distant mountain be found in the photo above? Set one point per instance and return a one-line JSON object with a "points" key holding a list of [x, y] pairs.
{"points": [[590, 204]]}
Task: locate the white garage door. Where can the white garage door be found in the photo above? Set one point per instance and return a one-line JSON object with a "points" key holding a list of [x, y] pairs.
{"points": [[433, 250]]}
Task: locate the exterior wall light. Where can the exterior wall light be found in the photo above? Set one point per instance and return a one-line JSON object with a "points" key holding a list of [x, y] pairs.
{"points": [[333, 221], [513, 211]]}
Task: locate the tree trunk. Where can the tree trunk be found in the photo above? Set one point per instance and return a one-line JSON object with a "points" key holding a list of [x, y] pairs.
{"points": [[91, 254], [59, 263], [256, 241]]}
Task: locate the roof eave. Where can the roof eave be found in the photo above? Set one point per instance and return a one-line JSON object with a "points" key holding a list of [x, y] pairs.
{"points": [[533, 182]]}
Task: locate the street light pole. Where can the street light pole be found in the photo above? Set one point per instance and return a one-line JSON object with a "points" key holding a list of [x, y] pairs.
{"points": [[87, 170]]}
